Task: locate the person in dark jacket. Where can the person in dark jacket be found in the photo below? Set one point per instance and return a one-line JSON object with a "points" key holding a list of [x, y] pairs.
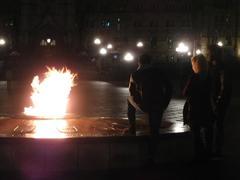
{"points": [[150, 92], [198, 93], [221, 93]]}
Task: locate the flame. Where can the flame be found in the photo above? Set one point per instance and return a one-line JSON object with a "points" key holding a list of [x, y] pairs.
{"points": [[49, 129], [50, 96]]}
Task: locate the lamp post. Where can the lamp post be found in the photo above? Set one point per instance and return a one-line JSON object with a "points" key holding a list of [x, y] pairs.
{"points": [[128, 57], [2, 45], [198, 51], [139, 44], [103, 51], [49, 40], [2, 42], [139, 49], [109, 46], [97, 41], [220, 43], [8, 70], [182, 50], [100, 62]]}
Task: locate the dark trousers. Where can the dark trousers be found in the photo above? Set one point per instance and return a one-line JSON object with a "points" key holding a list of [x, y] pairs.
{"points": [[219, 130], [131, 113], [154, 117], [203, 136]]}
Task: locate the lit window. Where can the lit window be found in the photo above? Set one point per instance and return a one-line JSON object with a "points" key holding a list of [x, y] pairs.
{"points": [[53, 43], [2, 42], [47, 42], [42, 43]]}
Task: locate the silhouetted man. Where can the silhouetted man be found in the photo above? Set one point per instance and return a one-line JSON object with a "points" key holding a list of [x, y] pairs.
{"points": [[150, 92]]}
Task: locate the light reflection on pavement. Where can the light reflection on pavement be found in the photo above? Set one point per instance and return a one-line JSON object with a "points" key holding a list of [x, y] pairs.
{"points": [[95, 99]]}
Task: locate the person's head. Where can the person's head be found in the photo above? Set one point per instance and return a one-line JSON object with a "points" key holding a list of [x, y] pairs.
{"points": [[214, 54], [144, 60], [199, 64]]}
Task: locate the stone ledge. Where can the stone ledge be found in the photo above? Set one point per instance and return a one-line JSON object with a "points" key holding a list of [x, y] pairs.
{"points": [[22, 152], [87, 154]]}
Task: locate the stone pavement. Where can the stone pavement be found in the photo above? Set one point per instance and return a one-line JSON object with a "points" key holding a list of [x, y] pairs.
{"points": [[98, 109], [96, 100], [227, 168], [87, 99]]}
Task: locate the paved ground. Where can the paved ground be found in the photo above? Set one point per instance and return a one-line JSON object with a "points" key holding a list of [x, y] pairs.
{"points": [[92, 99], [107, 99]]}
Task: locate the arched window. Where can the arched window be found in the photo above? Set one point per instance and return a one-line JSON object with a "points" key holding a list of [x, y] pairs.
{"points": [[48, 42]]}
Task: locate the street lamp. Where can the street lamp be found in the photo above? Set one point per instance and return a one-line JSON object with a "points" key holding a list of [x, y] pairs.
{"points": [[97, 41], [109, 46], [182, 48], [198, 51], [49, 40], [220, 43], [2, 42], [140, 44], [103, 51], [128, 57]]}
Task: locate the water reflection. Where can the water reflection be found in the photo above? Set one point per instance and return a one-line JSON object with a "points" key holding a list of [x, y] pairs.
{"points": [[88, 99], [179, 128]]}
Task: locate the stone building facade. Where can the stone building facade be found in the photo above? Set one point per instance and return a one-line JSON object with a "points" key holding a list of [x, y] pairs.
{"points": [[48, 25], [160, 25], [71, 25]]}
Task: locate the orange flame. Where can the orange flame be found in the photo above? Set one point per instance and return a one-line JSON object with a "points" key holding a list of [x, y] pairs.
{"points": [[49, 129], [50, 97]]}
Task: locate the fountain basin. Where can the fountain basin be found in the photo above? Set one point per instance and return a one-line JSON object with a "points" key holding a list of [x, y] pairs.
{"points": [[86, 144]]}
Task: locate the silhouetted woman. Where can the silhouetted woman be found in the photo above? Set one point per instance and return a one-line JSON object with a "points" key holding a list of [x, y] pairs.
{"points": [[197, 91]]}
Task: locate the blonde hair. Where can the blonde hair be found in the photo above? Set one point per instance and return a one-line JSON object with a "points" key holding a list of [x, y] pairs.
{"points": [[200, 63]]}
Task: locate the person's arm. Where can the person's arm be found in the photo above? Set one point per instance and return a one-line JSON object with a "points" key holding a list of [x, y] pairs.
{"points": [[132, 86], [133, 90]]}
